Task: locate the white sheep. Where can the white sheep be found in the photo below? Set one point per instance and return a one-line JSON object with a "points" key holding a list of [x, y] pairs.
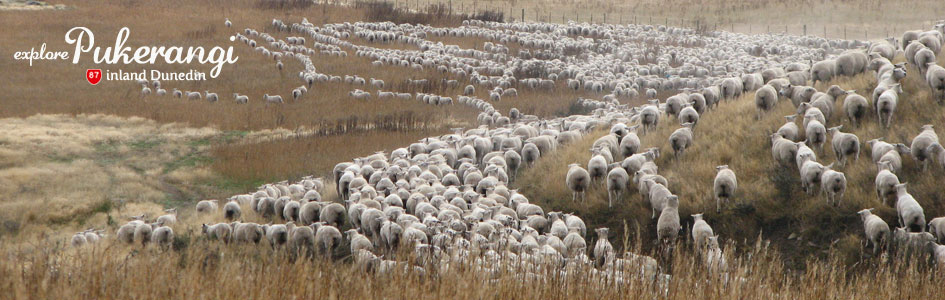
{"points": [[783, 150], [811, 173], [240, 99], [844, 145], [789, 130], [617, 180], [681, 139], [667, 227], [833, 184], [219, 231], [855, 107], [876, 230], [162, 237], [724, 185], [248, 232], [206, 206], [701, 232], [910, 213], [816, 134], [935, 78], [327, 237], [885, 183], [232, 211], [886, 104], [211, 97], [193, 95], [920, 146], [168, 219], [142, 233], [937, 228], [603, 250], [358, 241], [577, 180], [765, 99], [272, 99]]}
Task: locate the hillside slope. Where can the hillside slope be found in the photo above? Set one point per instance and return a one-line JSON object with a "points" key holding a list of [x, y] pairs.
{"points": [[769, 201]]}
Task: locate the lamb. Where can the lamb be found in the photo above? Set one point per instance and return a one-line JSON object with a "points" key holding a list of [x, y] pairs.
{"points": [[876, 230], [219, 231], [701, 232], [162, 237], [724, 185], [206, 206], [885, 183], [855, 107], [145, 91], [469, 90], [577, 181], [603, 250], [617, 180], [667, 227], [640, 178], [886, 104], [681, 139], [844, 144], [937, 228], [240, 99], [272, 99], [789, 130], [765, 99], [935, 78], [833, 184], [178, 93], [920, 146], [232, 211], [810, 113], [910, 213]]}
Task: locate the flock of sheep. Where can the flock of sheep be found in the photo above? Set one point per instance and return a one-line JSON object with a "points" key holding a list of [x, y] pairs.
{"points": [[447, 199]]}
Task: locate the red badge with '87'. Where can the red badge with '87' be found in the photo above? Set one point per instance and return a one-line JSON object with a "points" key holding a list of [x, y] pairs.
{"points": [[93, 76]]}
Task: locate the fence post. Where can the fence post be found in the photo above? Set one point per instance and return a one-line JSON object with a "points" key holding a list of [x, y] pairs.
{"points": [[844, 32], [605, 17], [768, 29], [805, 29], [451, 8], [523, 15], [825, 31]]}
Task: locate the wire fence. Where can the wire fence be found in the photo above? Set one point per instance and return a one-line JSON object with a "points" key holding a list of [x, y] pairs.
{"points": [[513, 13]]}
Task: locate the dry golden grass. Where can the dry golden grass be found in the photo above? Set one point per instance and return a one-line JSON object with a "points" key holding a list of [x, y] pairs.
{"points": [[769, 200]]}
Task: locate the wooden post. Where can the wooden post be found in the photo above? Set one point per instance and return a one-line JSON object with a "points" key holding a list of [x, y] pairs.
{"points": [[605, 17], [451, 8], [805, 29], [523, 15], [844, 32], [825, 31], [768, 30]]}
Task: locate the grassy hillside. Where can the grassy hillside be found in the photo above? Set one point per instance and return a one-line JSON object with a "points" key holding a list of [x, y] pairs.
{"points": [[769, 200]]}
